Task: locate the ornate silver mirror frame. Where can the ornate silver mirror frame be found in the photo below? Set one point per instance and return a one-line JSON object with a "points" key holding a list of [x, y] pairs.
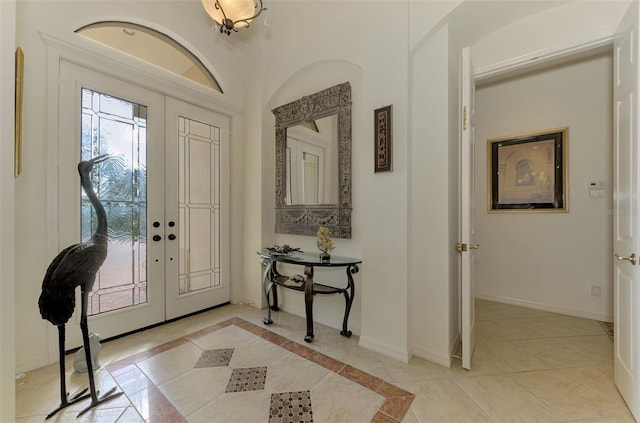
{"points": [[305, 219]]}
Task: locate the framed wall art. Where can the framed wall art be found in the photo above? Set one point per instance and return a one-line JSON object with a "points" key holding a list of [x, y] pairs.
{"points": [[383, 142], [528, 172]]}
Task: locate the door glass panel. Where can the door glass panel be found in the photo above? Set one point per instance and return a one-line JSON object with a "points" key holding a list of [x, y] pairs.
{"points": [[289, 179], [119, 128], [199, 205]]}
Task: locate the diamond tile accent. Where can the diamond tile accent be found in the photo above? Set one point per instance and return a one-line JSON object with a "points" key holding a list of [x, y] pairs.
{"points": [[247, 379], [215, 358], [289, 407]]}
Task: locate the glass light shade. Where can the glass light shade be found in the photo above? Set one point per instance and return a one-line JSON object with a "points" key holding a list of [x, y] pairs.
{"points": [[234, 10]]}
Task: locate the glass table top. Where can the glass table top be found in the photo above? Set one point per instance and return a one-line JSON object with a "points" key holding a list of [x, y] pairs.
{"points": [[309, 259]]}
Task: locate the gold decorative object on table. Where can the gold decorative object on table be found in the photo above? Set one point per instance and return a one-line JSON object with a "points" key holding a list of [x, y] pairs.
{"points": [[324, 242]]}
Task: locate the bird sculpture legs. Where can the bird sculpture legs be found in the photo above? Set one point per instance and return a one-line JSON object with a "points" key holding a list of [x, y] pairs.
{"points": [[111, 394], [64, 396]]}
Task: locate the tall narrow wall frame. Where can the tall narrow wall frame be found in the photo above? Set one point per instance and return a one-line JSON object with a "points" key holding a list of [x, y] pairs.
{"points": [[383, 139]]}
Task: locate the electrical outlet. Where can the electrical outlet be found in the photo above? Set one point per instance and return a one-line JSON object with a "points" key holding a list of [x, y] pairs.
{"points": [[596, 290], [596, 193]]}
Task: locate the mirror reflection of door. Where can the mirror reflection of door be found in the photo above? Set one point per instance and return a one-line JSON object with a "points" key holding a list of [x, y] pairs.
{"points": [[305, 172], [311, 178], [312, 163]]}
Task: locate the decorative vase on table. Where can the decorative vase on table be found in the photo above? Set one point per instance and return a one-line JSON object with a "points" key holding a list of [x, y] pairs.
{"points": [[324, 243]]}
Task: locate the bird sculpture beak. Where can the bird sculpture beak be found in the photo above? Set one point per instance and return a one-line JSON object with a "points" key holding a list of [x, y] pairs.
{"points": [[100, 159]]}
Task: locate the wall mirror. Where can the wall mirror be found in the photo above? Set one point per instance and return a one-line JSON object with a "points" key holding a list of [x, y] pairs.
{"points": [[313, 163]]}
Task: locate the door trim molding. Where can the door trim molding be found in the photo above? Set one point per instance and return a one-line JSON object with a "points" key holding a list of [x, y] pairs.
{"points": [[543, 57]]}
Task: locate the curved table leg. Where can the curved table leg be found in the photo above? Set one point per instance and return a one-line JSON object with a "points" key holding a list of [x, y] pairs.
{"points": [[275, 306], [348, 297], [267, 285], [308, 302], [272, 275]]}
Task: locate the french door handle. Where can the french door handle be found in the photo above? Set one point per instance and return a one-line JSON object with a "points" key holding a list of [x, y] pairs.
{"points": [[632, 258]]}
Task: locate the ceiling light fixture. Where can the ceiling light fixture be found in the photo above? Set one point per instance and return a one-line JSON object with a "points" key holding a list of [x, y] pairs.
{"points": [[230, 15]]}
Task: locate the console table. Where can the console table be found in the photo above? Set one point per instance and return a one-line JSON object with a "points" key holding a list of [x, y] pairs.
{"points": [[271, 279]]}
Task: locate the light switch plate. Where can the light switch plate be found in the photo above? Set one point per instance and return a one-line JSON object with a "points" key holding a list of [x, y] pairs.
{"points": [[595, 185]]}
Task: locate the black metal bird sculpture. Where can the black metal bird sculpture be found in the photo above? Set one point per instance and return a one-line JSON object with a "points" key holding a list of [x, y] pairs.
{"points": [[75, 266]]}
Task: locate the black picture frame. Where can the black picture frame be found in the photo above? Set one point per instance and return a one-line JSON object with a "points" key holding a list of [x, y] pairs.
{"points": [[529, 172], [383, 139]]}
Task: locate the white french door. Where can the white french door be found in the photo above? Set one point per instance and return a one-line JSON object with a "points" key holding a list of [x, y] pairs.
{"points": [[196, 164], [466, 246], [626, 203], [164, 195]]}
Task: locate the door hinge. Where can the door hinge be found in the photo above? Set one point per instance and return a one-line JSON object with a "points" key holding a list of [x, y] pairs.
{"points": [[464, 118], [460, 247]]}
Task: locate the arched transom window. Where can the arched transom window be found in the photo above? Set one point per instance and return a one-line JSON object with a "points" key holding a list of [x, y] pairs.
{"points": [[151, 46]]}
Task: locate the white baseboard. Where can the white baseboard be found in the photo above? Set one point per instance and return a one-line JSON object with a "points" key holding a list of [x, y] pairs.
{"points": [[453, 347], [433, 356], [24, 367], [386, 349], [601, 317]]}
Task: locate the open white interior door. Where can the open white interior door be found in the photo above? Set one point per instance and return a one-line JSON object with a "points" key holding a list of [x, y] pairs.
{"points": [[466, 246], [625, 210]]}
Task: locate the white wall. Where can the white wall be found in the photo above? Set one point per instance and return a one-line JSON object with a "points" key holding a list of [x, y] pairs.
{"points": [[427, 16], [7, 233], [550, 260], [531, 38], [430, 196]]}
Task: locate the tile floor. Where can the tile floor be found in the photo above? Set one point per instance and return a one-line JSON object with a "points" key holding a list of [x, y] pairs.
{"points": [[225, 366]]}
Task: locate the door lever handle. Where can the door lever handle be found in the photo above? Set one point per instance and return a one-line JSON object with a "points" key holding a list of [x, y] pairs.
{"points": [[632, 258], [474, 246], [460, 247]]}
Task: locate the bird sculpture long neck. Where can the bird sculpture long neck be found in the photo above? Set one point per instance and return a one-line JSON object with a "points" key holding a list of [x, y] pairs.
{"points": [[100, 235]]}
